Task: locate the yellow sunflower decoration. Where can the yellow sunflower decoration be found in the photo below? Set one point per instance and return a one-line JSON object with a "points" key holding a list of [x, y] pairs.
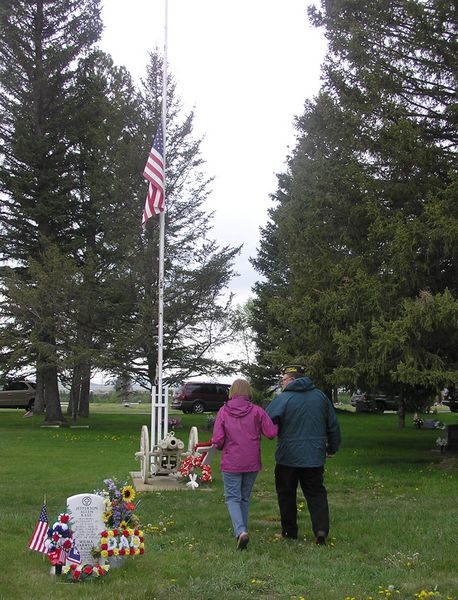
{"points": [[106, 516], [128, 493]]}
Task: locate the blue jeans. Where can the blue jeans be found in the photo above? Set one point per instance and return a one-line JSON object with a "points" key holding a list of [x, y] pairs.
{"points": [[237, 494]]}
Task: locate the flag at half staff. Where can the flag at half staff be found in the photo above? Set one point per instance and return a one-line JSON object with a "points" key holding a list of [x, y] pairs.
{"points": [[155, 175], [37, 541]]}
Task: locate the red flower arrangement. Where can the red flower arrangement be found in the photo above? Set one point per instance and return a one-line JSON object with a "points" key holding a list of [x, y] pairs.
{"points": [[76, 573], [193, 462]]}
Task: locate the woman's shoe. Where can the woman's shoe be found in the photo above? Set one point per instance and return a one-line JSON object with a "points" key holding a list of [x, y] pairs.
{"points": [[242, 541]]}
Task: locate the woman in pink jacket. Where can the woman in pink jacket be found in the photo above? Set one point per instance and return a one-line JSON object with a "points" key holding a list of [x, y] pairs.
{"points": [[237, 432]]}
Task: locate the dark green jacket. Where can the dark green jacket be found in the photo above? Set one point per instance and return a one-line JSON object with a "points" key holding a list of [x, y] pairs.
{"points": [[308, 426]]}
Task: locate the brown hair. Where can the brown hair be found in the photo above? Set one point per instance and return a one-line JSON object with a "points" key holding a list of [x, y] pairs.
{"points": [[240, 387]]}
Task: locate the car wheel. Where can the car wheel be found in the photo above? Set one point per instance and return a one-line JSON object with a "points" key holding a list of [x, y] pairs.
{"points": [[198, 408], [379, 407], [30, 405], [454, 408]]}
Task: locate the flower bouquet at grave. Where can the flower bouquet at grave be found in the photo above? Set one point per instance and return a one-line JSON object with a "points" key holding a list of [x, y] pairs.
{"points": [[59, 540], [119, 504], [76, 573], [122, 535]]}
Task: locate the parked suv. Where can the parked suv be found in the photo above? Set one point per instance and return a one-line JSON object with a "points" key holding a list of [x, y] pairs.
{"points": [[198, 397], [374, 402], [17, 394]]}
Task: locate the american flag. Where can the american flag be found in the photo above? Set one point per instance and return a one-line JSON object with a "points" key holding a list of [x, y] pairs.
{"points": [[37, 541], [74, 555], [154, 173]]}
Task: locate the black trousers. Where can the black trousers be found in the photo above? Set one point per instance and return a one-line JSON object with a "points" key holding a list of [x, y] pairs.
{"points": [[311, 482]]}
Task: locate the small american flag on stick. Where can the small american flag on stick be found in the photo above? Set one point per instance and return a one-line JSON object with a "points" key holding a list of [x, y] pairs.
{"points": [[37, 541], [154, 174]]}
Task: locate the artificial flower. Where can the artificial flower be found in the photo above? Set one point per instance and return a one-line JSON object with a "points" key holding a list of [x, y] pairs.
{"points": [[120, 520], [59, 540], [85, 572], [107, 516], [128, 493], [192, 462]]}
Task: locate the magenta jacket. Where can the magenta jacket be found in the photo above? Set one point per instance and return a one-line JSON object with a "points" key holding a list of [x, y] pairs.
{"points": [[237, 432]]}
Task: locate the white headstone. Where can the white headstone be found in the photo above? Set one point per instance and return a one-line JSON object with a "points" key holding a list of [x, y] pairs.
{"points": [[86, 512]]}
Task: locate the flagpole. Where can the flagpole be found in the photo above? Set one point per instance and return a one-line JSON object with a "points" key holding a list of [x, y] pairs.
{"points": [[160, 346]]}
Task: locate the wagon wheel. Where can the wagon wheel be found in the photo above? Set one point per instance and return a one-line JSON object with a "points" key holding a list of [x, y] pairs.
{"points": [[193, 440], [144, 453]]}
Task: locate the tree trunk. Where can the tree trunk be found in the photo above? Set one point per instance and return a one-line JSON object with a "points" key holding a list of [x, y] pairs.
{"points": [[402, 412], [75, 391], [79, 391], [51, 388], [83, 410], [123, 388], [39, 406]]}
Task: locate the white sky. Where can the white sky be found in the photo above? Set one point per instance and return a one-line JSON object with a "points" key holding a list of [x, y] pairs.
{"points": [[246, 67]]}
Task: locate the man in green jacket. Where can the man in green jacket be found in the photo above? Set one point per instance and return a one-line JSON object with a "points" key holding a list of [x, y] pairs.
{"points": [[308, 433]]}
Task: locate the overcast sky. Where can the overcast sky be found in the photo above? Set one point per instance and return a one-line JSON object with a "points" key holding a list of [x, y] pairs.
{"points": [[246, 67]]}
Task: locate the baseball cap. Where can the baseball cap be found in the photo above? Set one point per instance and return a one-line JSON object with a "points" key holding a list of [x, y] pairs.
{"points": [[293, 370]]}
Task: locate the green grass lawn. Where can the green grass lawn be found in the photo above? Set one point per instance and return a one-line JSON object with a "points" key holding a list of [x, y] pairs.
{"points": [[393, 500]]}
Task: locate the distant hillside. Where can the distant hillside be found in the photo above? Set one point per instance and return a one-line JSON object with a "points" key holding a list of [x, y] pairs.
{"points": [[101, 388]]}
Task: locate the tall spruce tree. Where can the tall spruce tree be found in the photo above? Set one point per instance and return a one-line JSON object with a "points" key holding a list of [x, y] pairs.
{"points": [[198, 318], [367, 212], [107, 143], [40, 43]]}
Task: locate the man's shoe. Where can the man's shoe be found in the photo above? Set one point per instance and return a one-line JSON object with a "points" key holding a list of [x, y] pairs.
{"points": [[320, 538], [242, 541], [289, 536]]}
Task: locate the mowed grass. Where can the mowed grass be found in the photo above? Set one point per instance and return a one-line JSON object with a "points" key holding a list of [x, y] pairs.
{"points": [[393, 500]]}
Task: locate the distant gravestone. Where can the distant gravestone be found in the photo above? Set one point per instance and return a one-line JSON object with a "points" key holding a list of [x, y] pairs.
{"points": [[86, 512]]}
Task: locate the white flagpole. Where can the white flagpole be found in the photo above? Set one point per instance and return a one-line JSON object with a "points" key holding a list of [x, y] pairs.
{"points": [[162, 415]]}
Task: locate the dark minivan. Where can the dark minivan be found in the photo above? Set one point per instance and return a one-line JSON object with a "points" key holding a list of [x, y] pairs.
{"points": [[198, 397]]}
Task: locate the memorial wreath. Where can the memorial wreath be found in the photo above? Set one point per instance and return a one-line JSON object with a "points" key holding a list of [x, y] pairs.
{"points": [[59, 540], [190, 464]]}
